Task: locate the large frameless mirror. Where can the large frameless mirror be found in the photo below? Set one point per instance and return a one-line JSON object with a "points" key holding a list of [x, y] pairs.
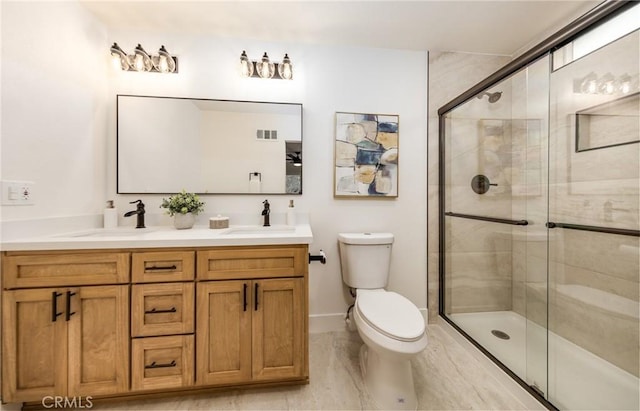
{"points": [[168, 144]]}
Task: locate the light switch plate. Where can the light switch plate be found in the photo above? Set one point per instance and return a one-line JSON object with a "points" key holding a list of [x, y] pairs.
{"points": [[17, 192]]}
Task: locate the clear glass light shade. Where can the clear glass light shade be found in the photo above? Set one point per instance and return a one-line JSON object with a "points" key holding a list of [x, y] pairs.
{"points": [[119, 58], [607, 85], [625, 83], [266, 69], [589, 84], [164, 63], [141, 60], [246, 66], [285, 69]]}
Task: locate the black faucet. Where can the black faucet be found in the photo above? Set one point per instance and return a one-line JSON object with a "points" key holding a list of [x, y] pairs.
{"points": [[138, 212], [265, 213]]}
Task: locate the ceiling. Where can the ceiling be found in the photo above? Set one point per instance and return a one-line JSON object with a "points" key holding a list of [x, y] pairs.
{"points": [[493, 27]]}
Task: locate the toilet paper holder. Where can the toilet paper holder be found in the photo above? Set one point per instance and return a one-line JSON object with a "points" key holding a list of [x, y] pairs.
{"points": [[322, 257]]}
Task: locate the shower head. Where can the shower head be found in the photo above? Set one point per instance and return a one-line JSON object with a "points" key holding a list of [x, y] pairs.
{"points": [[493, 97]]}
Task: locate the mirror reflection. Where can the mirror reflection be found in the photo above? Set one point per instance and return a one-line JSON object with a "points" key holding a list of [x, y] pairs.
{"points": [[167, 144]]}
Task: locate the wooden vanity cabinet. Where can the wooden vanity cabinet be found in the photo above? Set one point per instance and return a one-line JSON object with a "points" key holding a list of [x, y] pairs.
{"points": [[108, 323], [252, 329]]}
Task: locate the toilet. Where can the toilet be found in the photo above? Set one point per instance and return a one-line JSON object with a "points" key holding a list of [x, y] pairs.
{"points": [[391, 326]]}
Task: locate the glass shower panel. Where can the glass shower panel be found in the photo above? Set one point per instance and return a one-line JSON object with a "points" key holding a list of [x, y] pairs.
{"points": [[594, 258], [495, 271]]}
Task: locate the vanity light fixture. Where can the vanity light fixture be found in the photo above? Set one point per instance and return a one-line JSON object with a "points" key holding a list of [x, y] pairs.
{"points": [[265, 68], [142, 61], [607, 84]]}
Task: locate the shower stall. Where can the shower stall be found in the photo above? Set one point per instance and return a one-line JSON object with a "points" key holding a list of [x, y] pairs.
{"points": [[540, 216]]}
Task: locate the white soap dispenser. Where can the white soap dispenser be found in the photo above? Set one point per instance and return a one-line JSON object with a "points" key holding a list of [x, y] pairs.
{"points": [[291, 214], [110, 215]]}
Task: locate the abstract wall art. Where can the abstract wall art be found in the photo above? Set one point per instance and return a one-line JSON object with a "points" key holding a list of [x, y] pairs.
{"points": [[366, 155]]}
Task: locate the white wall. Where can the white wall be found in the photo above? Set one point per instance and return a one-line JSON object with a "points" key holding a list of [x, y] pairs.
{"points": [[326, 79], [64, 151], [54, 109]]}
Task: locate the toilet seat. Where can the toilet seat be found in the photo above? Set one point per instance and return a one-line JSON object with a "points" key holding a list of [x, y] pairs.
{"points": [[391, 314]]}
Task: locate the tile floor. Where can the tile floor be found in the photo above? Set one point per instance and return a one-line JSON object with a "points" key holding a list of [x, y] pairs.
{"points": [[447, 377]]}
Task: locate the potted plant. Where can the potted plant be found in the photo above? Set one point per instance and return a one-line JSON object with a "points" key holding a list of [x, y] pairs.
{"points": [[183, 207]]}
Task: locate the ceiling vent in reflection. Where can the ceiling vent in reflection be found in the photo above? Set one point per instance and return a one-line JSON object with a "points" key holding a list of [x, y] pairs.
{"points": [[267, 134]]}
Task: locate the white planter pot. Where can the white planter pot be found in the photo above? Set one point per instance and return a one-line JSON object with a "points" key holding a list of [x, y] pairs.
{"points": [[184, 221]]}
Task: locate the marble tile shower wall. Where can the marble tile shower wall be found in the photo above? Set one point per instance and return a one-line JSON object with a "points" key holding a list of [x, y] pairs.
{"points": [[450, 74], [478, 267], [478, 261]]}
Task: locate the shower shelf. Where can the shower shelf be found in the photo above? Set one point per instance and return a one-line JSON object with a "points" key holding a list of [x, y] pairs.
{"points": [[490, 219], [607, 230]]}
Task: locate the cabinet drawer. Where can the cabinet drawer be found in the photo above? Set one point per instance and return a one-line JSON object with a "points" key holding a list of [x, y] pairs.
{"points": [[162, 362], [63, 269], [162, 266], [246, 262], [162, 309]]}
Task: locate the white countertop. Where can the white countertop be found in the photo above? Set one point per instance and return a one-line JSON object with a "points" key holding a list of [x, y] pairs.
{"points": [[164, 236]]}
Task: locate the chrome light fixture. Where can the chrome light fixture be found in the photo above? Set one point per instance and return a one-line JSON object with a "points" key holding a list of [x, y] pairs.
{"points": [[141, 61], [265, 68]]}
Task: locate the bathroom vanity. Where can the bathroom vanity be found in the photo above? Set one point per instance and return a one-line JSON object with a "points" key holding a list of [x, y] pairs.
{"points": [[120, 313]]}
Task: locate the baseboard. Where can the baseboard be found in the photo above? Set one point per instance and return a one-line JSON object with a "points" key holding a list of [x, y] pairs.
{"points": [[324, 323]]}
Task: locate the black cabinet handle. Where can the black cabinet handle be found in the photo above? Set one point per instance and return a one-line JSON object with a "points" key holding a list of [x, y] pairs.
{"points": [[167, 268], [255, 296], [54, 306], [244, 301], [156, 311], [69, 312], [154, 365]]}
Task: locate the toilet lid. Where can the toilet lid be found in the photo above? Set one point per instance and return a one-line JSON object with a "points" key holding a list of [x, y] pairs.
{"points": [[391, 314]]}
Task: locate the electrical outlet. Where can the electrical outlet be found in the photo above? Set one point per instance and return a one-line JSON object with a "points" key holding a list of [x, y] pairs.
{"points": [[17, 192]]}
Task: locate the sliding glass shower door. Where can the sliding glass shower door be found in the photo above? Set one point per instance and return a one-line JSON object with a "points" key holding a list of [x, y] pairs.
{"points": [[495, 207], [594, 196], [540, 221]]}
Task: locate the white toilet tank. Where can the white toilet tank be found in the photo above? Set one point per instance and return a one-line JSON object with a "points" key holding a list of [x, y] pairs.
{"points": [[365, 259]]}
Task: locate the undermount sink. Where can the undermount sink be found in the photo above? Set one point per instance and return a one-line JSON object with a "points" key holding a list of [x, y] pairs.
{"points": [[279, 229], [109, 233]]}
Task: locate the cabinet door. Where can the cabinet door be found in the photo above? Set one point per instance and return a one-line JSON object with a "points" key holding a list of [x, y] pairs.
{"points": [[223, 346], [98, 332], [34, 347], [279, 329]]}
